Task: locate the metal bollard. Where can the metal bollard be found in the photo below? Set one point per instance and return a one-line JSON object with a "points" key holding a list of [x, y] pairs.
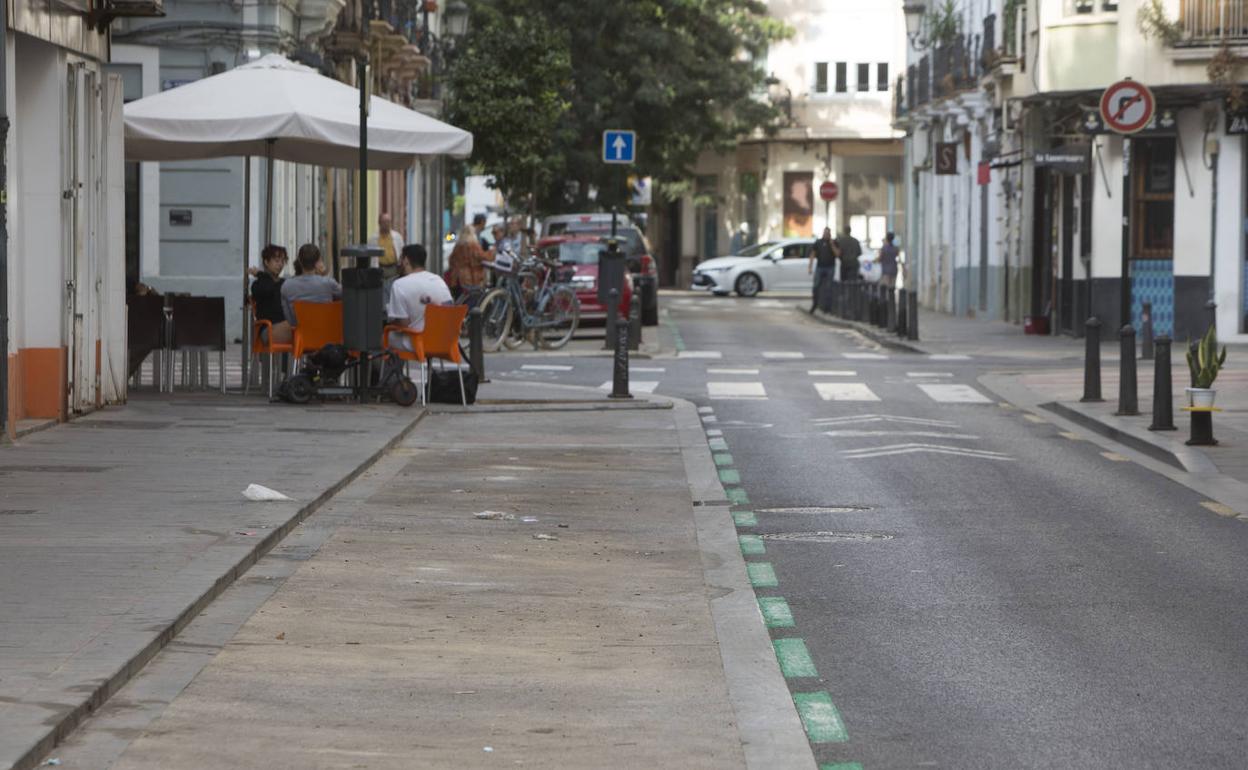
{"points": [[881, 307], [901, 313], [619, 374], [1092, 361], [1128, 399], [1146, 332], [840, 299], [1163, 396], [890, 323], [476, 344], [634, 322], [912, 315]]}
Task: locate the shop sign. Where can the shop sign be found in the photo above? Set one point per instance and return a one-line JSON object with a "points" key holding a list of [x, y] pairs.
{"points": [[946, 158], [1070, 159], [1237, 123]]}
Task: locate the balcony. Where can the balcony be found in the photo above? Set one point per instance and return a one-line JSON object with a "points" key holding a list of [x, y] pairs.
{"points": [[951, 70], [1213, 22]]}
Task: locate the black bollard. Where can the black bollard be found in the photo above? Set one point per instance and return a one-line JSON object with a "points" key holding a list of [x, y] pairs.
{"points": [[891, 321], [1163, 396], [841, 299], [619, 374], [1202, 429], [901, 313], [476, 345], [912, 315], [634, 322], [1128, 398], [1092, 361], [1146, 332]]}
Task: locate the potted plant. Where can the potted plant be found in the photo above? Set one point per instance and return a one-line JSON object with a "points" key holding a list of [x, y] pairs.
{"points": [[1204, 361]]}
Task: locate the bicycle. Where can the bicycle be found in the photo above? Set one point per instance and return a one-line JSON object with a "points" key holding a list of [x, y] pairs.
{"points": [[528, 306]]}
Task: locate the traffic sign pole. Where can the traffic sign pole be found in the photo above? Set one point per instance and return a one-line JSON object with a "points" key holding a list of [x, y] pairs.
{"points": [[1124, 307]]}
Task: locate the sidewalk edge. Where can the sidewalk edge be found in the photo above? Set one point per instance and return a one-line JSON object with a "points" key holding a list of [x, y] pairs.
{"points": [[873, 333], [768, 726], [58, 730], [1153, 449]]}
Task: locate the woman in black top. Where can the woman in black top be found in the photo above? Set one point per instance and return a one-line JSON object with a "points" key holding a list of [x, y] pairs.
{"points": [[266, 290]]}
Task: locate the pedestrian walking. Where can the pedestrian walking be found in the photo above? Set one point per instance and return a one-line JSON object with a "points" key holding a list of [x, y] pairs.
{"points": [[888, 262], [850, 250], [822, 262], [391, 243]]}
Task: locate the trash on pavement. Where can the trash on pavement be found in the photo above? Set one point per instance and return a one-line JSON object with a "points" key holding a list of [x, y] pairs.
{"points": [[245, 533], [542, 536], [528, 519], [53, 761], [562, 526], [260, 494], [494, 515], [488, 749]]}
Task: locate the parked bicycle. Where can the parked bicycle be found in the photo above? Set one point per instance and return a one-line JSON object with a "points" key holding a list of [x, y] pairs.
{"points": [[534, 302]]}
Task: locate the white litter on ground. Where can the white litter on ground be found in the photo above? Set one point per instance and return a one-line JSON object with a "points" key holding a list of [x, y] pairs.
{"points": [[260, 494]]}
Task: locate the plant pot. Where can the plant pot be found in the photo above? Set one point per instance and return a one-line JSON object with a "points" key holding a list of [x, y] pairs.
{"points": [[1201, 398]]}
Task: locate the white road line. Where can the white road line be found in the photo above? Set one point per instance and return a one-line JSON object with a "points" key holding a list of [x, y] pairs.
{"points": [[545, 368], [699, 354], [876, 433], [785, 355], [929, 374], [714, 432], [949, 357], [634, 386], [647, 369], [845, 391], [831, 373], [736, 390], [705, 409], [901, 449], [859, 418], [866, 356], [713, 370], [954, 394], [769, 303]]}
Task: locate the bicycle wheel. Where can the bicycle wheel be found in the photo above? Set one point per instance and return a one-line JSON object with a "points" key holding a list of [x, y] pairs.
{"points": [[495, 320], [516, 332], [559, 318]]}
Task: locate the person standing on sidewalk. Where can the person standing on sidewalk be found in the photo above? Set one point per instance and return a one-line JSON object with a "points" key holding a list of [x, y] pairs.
{"points": [[391, 243], [822, 263], [888, 262], [850, 250]]}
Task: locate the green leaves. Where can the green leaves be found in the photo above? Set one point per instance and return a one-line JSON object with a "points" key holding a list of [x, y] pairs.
{"points": [[1206, 362]]}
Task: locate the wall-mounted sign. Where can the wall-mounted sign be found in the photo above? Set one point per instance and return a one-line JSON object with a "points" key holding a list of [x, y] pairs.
{"points": [[946, 158], [180, 217], [1237, 123], [1070, 159]]}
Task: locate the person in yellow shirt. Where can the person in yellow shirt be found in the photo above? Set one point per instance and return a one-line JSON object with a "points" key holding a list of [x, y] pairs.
{"points": [[391, 243]]}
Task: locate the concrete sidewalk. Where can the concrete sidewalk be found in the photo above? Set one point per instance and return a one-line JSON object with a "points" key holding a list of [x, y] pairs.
{"points": [[410, 633]]}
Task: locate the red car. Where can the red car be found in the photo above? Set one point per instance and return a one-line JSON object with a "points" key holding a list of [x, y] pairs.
{"points": [[581, 253]]}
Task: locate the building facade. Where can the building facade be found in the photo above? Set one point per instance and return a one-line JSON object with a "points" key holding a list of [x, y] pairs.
{"points": [[63, 289], [834, 80], [1021, 196]]}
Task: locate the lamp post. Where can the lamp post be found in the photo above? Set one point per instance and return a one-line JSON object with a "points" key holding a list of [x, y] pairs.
{"points": [[915, 12]]}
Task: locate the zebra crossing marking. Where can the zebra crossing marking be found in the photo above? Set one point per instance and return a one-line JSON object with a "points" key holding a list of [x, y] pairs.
{"points": [[634, 386], [866, 356], [831, 373], [745, 391], [700, 354], [845, 391], [545, 368], [714, 370], [954, 394], [783, 355]]}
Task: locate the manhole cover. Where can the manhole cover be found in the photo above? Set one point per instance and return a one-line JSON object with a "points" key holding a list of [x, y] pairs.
{"points": [[817, 509], [828, 537]]}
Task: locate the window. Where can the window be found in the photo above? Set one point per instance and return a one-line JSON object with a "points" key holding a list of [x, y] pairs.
{"points": [[1153, 203], [842, 77], [881, 83], [796, 250], [864, 78], [821, 77]]}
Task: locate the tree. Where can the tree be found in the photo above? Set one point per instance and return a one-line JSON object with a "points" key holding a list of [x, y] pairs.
{"points": [[683, 73], [509, 84]]}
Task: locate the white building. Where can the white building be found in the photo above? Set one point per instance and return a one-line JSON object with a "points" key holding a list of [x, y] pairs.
{"points": [[61, 279], [835, 79], [1036, 203]]}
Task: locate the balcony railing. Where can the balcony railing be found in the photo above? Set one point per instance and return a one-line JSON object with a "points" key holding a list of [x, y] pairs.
{"points": [[1207, 22], [951, 70]]}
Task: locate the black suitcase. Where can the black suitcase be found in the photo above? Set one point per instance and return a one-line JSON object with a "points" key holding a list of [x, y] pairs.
{"points": [[443, 386]]}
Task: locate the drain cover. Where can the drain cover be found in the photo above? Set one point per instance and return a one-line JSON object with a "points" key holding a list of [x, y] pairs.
{"points": [[828, 537], [817, 509]]}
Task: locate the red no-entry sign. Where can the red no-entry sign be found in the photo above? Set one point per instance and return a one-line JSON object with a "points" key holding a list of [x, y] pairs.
{"points": [[1127, 107], [828, 191]]}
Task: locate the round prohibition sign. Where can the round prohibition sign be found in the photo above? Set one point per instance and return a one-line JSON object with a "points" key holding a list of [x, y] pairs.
{"points": [[1127, 107]]}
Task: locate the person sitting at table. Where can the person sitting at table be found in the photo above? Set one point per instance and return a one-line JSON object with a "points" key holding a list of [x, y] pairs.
{"points": [[266, 290], [412, 292], [313, 284]]}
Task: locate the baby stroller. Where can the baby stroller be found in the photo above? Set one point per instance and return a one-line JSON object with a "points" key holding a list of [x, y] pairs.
{"points": [[321, 375]]}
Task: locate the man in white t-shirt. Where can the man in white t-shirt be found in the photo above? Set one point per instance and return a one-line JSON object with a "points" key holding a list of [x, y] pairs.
{"points": [[411, 293]]}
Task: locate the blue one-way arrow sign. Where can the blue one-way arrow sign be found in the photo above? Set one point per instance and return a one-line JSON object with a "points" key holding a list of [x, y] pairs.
{"points": [[619, 146]]}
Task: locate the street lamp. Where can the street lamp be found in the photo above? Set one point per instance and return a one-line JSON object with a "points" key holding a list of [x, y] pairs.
{"points": [[915, 11], [455, 22]]}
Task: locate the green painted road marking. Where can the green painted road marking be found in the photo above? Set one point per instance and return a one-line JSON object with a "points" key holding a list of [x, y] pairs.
{"points": [[717, 444], [751, 545], [820, 718], [842, 766], [745, 518], [722, 458], [761, 574], [776, 612], [737, 496], [794, 658], [729, 476]]}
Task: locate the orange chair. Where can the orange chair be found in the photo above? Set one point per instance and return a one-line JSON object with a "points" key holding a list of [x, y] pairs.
{"points": [[260, 347], [319, 324], [440, 340], [406, 355]]}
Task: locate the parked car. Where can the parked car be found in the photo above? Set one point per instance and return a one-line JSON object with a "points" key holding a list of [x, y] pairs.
{"points": [[771, 266], [640, 260], [581, 253], [561, 223]]}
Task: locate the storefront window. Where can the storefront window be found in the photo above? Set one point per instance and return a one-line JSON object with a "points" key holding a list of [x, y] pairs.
{"points": [[1152, 220]]}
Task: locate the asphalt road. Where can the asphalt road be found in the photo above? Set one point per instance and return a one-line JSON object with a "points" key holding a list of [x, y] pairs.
{"points": [[983, 590]]}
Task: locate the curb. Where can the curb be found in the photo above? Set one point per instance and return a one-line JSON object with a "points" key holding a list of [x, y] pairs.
{"points": [[1190, 461], [873, 333], [58, 730], [768, 725]]}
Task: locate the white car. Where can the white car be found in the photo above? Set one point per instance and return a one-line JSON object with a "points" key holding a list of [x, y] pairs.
{"points": [[772, 266]]}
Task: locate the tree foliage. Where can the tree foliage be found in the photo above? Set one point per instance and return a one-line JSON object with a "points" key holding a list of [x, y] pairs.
{"points": [[684, 74]]}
